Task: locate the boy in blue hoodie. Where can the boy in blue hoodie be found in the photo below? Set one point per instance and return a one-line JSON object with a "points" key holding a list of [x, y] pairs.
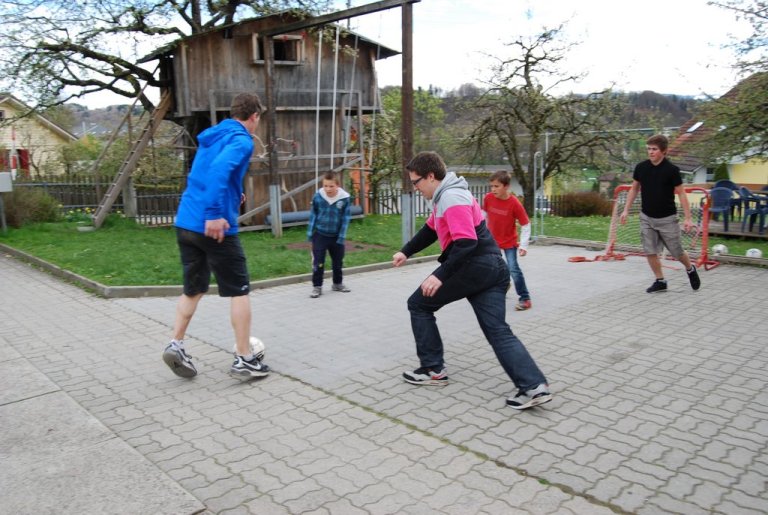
{"points": [[328, 221], [206, 231]]}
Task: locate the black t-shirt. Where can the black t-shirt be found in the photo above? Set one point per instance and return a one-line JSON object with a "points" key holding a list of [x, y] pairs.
{"points": [[657, 187]]}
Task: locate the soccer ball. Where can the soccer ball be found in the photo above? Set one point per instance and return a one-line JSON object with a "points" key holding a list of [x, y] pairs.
{"points": [[754, 253], [719, 249], [257, 347]]}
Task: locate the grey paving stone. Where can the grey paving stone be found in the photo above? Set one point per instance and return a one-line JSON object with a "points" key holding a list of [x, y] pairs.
{"points": [[653, 394], [20, 380], [58, 459]]}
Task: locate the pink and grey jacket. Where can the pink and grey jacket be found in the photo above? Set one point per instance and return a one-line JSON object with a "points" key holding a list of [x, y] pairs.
{"points": [[457, 222]]}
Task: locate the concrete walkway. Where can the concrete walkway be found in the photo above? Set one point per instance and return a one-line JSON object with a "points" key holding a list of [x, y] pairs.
{"points": [[660, 400]]}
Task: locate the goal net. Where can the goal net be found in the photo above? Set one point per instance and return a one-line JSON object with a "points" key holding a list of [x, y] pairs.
{"points": [[624, 239]]}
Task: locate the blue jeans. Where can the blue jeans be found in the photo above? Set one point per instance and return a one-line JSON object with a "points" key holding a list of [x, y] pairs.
{"points": [[483, 281], [516, 274]]}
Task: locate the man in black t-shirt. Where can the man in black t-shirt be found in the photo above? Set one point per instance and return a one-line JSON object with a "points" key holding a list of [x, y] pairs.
{"points": [[660, 181]]}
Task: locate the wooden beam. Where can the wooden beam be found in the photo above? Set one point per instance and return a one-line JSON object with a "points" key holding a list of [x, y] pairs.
{"points": [[325, 19]]}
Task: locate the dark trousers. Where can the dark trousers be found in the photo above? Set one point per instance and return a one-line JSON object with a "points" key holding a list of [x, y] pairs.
{"points": [[320, 245], [483, 281]]}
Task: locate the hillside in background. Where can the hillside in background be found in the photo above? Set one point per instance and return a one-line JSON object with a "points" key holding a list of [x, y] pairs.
{"points": [[644, 109], [99, 122], [658, 109]]}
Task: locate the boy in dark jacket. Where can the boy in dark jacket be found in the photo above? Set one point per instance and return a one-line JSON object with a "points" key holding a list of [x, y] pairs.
{"points": [[471, 267]]}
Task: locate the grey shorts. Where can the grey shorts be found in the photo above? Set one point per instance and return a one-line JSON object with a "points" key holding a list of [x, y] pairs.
{"points": [[657, 233]]}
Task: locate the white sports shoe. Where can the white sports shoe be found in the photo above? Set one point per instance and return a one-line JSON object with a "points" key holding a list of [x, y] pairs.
{"points": [[530, 398]]}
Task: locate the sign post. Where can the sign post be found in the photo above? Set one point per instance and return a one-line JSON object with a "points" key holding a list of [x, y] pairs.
{"points": [[6, 185]]}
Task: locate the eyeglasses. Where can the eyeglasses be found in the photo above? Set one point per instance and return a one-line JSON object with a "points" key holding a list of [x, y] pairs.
{"points": [[417, 181]]}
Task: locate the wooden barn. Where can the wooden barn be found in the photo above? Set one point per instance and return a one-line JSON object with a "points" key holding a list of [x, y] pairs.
{"points": [[323, 85]]}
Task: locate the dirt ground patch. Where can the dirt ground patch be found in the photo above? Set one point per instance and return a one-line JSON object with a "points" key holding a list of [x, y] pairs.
{"points": [[349, 246]]}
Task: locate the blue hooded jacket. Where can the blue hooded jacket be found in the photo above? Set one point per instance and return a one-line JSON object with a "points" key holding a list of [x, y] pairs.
{"points": [[215, 183]]}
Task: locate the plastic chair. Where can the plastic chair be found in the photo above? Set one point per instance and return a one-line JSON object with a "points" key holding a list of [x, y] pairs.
{"points": [[724, 183], [736, 202], [721, 203], [754, 208]]}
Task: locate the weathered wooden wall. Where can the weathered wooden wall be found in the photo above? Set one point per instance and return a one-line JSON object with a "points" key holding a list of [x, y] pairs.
{"points": [[207, 70]]}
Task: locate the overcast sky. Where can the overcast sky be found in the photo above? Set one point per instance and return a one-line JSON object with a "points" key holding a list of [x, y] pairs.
{"points": [[670, 46]]}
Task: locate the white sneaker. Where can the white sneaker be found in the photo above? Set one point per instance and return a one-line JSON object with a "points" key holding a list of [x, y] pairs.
{"points": [[253, 368], [530, 398]]}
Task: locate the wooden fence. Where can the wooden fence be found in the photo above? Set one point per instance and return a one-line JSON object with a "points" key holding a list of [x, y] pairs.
{"points": [[157, 203]]}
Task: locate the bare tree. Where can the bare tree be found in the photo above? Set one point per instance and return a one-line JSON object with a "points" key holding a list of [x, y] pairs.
{"points": [[53, 51], [523, 117]]}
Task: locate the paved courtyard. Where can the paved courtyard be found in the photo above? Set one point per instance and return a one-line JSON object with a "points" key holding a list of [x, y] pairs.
{"points": [[660, 400]]}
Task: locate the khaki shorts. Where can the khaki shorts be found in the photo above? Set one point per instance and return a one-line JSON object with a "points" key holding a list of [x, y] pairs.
{"points": [[657, 233]]}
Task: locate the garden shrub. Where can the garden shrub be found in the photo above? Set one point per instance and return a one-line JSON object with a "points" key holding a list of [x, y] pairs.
{"points": [[28, 205], [721, 173], [583, 203]]}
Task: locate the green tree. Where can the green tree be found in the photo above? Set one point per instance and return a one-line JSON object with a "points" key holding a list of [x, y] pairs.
{"points": [[78, 155], [741, 115], [522, 117], [55, 50], [428, 126]]}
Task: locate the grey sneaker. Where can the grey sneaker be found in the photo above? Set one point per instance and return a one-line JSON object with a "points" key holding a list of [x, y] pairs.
{"points": [[316, 292], [340, 287], [179, 361], [244, 369], [530, 398]]}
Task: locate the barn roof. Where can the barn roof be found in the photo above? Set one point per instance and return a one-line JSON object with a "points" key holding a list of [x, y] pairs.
{"points": [[272, 20]]}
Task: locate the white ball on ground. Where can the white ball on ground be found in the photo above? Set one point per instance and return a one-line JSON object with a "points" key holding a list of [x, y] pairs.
{"points": [[256, 346], [754, 253], [719, 249]]}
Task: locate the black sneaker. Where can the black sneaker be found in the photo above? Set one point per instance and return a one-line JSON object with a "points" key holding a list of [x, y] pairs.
{"points": [[530, 398], [427, 376], [693, 276], [179, 361], [253, 368], [657, 286]]}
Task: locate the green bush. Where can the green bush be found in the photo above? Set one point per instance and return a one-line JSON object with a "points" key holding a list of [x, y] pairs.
{"points": [[721, 173], [583, 203], [27, 205]]}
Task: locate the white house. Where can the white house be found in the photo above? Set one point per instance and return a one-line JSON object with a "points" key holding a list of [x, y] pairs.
{"points": [[33, 140]]}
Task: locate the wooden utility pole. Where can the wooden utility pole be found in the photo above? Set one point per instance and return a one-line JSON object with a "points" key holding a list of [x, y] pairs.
{"points": [[407, 203], [275, 204]]}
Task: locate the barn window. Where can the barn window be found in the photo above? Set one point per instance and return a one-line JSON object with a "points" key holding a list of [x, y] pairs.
{"points": [[2, 114], [286, 48]]}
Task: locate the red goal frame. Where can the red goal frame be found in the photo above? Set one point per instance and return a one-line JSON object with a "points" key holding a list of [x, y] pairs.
{"points": [[696, 242]]}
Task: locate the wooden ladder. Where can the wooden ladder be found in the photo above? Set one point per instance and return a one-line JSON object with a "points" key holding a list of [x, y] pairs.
{"points": [[129, 165]]}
